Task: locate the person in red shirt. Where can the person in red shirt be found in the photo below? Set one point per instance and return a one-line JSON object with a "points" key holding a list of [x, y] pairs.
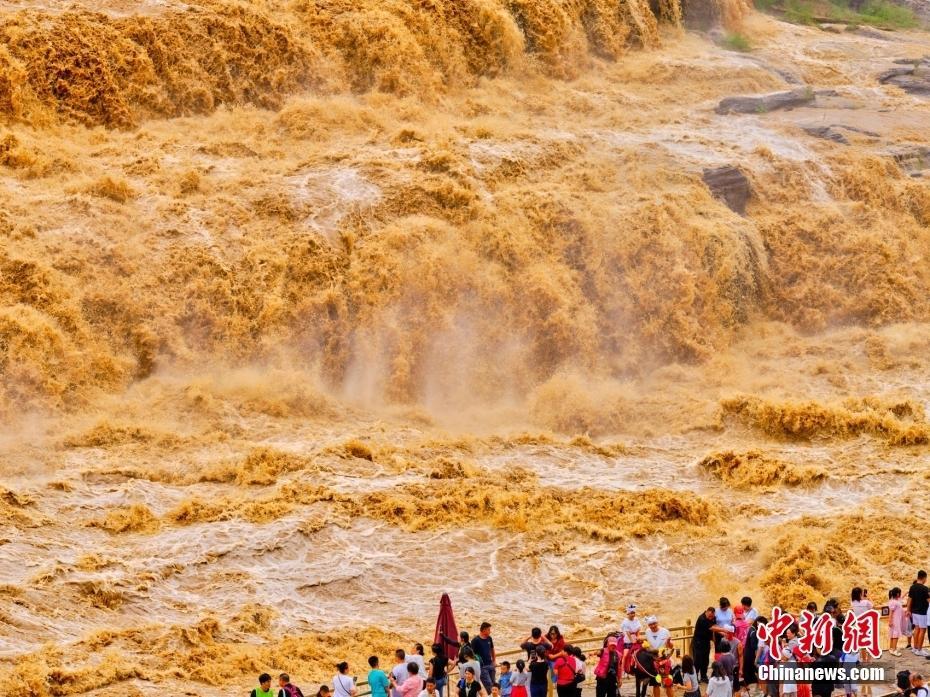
{"points": [[565, 668], [557, 643]]}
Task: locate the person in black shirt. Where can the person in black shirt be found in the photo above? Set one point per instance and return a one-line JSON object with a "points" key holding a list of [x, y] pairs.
{"points": [[700, 642], [461, 645], [439, 668], [823, 688], [483, 646], [918, 601], [288, 689], [539, 673], [832, 608], [750, 649]]}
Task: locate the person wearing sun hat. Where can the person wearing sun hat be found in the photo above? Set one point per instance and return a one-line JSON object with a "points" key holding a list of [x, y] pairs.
{"points": [[607, 671], [630, 630], [740, 625], [658, 640], [630, 627]]}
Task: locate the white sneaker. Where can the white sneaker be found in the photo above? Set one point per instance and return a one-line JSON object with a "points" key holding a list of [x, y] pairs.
{"points": [[923, 652]]}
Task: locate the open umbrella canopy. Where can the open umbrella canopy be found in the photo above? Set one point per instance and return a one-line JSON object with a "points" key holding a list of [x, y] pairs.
{"points": [[446, 632]]}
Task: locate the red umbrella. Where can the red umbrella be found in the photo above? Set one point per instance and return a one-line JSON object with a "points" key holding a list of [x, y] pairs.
{"points": [[446, 632]]}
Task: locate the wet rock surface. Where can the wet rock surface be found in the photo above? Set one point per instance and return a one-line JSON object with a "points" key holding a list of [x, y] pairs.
{"points": [[911, 75], [835, 132], [913, 158], [760, 104], [730, 185]]}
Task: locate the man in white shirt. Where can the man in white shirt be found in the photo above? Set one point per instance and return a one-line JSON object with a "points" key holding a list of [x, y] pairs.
{"points": [[658, 640]]}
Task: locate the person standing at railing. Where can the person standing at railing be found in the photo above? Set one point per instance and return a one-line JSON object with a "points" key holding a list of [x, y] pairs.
{"points": [[539, 673], [895, 619], [343, 684], [288, 689], [463, 643], [483, 646], [630, 629], [534, 640], [566, 669], [701, 640], [398, 675], [918, 602], [378, 681], [832, 608], [749, 611], [723, 622], [413, 685], [264, 687], [556, 643], [555, 650], [417, 657], [439, 668]]}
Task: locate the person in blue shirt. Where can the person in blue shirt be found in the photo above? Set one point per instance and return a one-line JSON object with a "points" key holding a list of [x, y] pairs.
{"points": [[504, 679], [377, 679]]}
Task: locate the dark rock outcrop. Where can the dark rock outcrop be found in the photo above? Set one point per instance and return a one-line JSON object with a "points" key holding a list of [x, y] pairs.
{"points": [[913, 75], [827, 133], [760, 104], [730, 185]]}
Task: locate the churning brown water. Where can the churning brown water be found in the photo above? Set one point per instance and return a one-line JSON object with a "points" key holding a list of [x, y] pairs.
{"points": [[313, 310]]}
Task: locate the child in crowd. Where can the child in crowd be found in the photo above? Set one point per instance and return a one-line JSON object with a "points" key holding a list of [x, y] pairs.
{"points": [[895, 619], [504, 679]]}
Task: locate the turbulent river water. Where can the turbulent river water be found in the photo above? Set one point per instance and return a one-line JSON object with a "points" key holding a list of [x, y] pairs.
{"points": [[311, 311]]}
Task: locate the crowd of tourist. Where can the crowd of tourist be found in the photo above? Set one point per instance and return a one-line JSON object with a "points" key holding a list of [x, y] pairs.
{"points": [[726, 652]]}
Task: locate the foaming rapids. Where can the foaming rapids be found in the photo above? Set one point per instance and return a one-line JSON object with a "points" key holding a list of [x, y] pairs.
{"points": [[313, 310]]}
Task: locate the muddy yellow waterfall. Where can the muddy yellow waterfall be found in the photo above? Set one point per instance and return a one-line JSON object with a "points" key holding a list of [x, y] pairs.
{"points": [[313, 310]]}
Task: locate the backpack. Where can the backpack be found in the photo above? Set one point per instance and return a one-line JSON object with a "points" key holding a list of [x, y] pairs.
{"points": [[613, 664], [292, 691], [579, 672]]}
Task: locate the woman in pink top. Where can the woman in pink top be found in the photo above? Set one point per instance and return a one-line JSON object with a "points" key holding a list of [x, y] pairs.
{"points": [[895, 619]]}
